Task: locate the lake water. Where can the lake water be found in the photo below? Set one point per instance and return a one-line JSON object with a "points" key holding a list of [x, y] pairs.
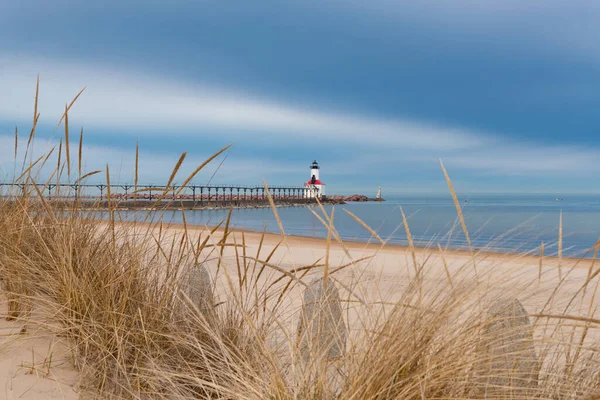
{"points": [[503, 223]]}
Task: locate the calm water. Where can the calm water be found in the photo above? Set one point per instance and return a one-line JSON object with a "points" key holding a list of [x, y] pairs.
{"points": [[503, 223]]}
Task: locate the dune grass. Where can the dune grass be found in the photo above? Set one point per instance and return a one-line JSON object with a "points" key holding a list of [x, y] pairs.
{"points": [[120, 294]]}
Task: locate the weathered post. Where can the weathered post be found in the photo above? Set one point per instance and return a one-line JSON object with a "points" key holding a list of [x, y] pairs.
{"points": [[321, 329], [506, 361], [197, 285]]}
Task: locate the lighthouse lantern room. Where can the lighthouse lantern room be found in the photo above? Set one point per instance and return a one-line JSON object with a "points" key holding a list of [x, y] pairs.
{"points": [[314, 187]]}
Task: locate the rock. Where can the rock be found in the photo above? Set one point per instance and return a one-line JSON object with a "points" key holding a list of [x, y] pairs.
{"points": [[356, 197], [507, 364], [197, 286], [321, 329], [333, 200]]}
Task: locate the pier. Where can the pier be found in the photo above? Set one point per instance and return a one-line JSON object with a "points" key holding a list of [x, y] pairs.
{"points": [[130, 196]]}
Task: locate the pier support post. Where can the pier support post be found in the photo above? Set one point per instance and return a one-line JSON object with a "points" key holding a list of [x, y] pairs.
{"points": [[101, 187]]}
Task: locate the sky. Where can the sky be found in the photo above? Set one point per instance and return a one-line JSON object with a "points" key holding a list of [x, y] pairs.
{"points": [[505, 93]]}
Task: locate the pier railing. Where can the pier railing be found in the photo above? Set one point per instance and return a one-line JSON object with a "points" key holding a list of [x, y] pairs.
{"points": [[195, 193]]}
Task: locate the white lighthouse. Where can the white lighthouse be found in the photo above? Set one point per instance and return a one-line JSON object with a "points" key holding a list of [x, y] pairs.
{"points": [[314, 187]]}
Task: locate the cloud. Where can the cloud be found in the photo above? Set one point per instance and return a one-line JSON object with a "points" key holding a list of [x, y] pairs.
{"points": [[520, 158], [565, 29], [123, 100], [154, 166], [410, 173]]}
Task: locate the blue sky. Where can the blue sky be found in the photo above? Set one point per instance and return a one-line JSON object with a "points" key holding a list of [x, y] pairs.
{"points": [[504, 92]]}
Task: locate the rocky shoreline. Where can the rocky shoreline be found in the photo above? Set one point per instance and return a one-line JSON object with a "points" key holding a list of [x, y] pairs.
{"points": [[214, 204], [205, 204], [351, 199]]}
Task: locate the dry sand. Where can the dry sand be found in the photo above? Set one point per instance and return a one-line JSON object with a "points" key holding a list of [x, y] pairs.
{"points": [[36, 364], [380, 278]]}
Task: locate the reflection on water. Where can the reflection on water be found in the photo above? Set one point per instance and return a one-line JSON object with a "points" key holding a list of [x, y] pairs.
{"points": [[502, 223]]}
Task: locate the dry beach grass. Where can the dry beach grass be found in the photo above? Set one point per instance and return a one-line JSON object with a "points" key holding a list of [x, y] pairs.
{"points": [[148, 310]]}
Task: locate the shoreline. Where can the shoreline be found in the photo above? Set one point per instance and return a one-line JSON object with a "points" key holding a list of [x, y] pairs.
{"points": [[355, 245]]}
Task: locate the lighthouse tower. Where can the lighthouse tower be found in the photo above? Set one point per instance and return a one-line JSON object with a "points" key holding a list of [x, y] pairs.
{"points": [[314, 187]]}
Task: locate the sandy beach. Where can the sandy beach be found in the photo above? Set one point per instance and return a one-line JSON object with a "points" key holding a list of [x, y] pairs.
{"points": [[36, 364], [371, 273]]}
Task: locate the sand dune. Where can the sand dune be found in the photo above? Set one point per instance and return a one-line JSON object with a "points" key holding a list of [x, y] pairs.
{"points": [[37, 364]]}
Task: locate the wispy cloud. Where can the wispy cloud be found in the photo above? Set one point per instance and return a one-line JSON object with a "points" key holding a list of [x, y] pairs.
{"points": [[533, 159], [154, 166], [128, 99], [124, 100]]}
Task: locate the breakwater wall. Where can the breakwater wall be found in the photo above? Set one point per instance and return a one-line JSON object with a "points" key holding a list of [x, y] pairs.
{"points": [[201, 205]]}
